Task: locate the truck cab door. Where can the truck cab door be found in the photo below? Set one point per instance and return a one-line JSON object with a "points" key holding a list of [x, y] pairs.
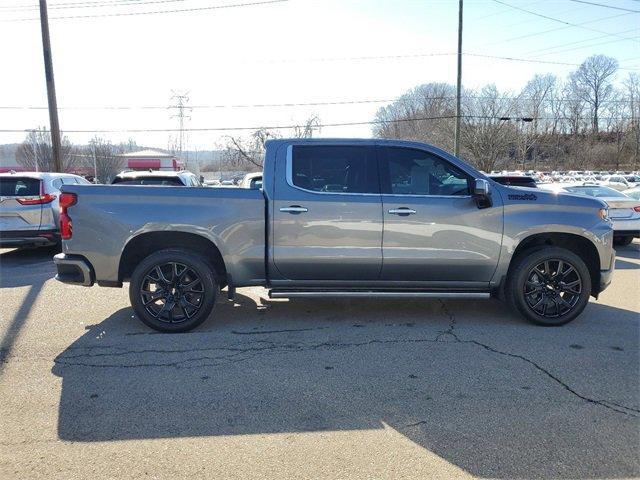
{"points": [[326, 213], [434, 232]]}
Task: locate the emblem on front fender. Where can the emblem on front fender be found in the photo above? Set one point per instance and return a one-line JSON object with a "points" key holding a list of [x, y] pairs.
{"points": [[522, 196]]}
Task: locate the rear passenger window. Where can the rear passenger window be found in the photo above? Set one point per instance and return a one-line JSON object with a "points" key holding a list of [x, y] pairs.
{"points": [[334, 169], [19, 187], [408, 171]]}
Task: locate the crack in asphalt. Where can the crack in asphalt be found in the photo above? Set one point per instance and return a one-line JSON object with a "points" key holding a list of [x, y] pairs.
{"points": [[452, 322], [264, 332], [241, 354], [273, 347], [602, 403]]}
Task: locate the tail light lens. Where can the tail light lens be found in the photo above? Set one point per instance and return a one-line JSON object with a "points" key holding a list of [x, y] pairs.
{"points": [[66, 227], [39, 200]]}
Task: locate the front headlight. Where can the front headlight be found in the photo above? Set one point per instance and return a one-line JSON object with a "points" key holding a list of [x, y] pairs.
{"points": [[603, 213]]}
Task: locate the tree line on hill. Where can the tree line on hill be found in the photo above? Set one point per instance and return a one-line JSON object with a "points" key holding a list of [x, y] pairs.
{"points": [[586, 121], [582, 122]]}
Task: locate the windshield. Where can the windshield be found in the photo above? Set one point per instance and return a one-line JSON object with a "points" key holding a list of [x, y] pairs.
{"points": [[19, 186], [167, 181], [595, 191]]}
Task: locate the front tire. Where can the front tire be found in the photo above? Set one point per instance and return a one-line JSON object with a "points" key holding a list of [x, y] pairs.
{"points": [[549, 286], [173, 290]]}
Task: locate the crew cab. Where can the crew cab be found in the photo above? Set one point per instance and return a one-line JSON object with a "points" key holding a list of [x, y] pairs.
{"points": [[340, 218]]}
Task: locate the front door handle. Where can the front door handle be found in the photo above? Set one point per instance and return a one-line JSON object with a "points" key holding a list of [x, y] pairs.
{"points": [[294, 209], [402, 211]]}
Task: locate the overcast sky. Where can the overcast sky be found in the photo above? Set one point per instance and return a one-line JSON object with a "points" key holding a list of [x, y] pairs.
{"points": [[295, 51]]}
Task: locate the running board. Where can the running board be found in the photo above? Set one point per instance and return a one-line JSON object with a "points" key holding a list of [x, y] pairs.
{"points": [[373, 293]]}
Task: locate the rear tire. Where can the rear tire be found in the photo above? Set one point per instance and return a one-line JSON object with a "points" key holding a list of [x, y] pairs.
{"points": [[623, 240], [549, 286], [173, 290]]}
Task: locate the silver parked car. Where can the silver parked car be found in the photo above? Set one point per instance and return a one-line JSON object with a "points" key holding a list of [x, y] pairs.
{"points": [[624, 211], [633, 193], [29, 207]]}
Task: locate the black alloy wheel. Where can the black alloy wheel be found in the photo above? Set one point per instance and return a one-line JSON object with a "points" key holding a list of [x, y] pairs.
{"points": [[548, 285], [553, 288], [173, 290]]}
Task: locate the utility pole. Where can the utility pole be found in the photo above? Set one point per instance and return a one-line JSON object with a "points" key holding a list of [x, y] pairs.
{"points": [[181, 100], [51, 87], [456, 140]]}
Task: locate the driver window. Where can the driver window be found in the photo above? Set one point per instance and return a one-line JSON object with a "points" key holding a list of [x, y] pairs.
{"points": [[416, 172]]}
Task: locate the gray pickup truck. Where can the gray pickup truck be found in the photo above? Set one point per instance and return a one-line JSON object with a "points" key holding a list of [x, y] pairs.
{"points": [[340, 218]]}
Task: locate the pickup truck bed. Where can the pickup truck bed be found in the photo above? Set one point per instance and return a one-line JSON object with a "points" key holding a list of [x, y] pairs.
{"points": [[111, 218]]}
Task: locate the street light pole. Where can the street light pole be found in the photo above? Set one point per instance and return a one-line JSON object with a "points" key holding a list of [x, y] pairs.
{"points": [[51, 87], [95, 163], [456, 140]]}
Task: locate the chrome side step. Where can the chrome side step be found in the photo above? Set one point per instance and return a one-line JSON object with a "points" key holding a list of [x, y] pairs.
{"points": [[373, 293]]}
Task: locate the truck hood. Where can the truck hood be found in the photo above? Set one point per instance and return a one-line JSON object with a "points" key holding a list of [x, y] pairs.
{"points": [[546, 197]]}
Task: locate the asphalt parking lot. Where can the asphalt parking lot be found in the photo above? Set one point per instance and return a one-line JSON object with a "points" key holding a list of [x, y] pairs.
{"points": [[314, 388]]}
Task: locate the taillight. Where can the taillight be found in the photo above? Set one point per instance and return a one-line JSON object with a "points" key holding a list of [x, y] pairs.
{"points": [[37, 200], [66, 227], [637, 209]]}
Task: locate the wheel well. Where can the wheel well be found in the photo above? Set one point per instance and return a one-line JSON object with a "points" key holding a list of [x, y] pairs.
{"points": [[581, 246], [145, 244]]}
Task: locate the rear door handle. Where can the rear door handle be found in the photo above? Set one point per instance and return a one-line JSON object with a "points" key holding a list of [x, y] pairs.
{"points": [[402, 211], [294, 209]]}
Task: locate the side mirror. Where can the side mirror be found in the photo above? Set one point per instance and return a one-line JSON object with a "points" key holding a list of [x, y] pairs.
{"points": [[482, 193]]}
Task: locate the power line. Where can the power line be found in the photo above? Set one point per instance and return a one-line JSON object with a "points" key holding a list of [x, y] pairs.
{"points": [[272, 105], [605, 6], [560, 21], [575, 43], [93, 4], [578, 48], [533, 60], [180, 10], [288, 127], [255, 105], [543, 32]]}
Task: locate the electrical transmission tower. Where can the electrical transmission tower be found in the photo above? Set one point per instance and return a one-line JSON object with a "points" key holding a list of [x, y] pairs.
{"points": [[180, 106]]}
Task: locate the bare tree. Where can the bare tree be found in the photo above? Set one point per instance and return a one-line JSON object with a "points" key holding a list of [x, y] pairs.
{"points": [[486, 133], [36, 152], [573, 107], [632, 84], [425, 114], [306, 131], [593, 83], [248, 153], [105, 158]]}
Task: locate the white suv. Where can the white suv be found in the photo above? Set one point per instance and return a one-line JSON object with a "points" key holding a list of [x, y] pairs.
{"points": [[29, 207]]}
